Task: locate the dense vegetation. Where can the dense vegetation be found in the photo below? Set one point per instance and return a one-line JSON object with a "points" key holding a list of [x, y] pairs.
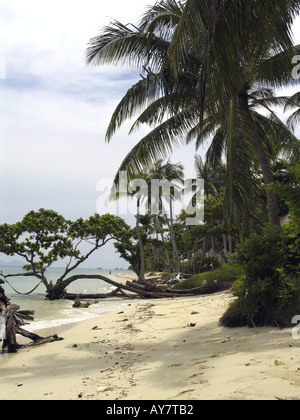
{"points": [[44, 237]]}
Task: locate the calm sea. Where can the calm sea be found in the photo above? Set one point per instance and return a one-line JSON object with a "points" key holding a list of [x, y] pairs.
{"points": [[52, 314]]}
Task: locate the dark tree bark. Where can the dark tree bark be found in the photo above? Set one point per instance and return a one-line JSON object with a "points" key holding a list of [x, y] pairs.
{"points": [[272, 201], [12, 321]]}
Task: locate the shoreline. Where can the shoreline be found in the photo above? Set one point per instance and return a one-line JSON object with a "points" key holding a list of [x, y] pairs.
{"points": [[151, 350], [60, 313]]}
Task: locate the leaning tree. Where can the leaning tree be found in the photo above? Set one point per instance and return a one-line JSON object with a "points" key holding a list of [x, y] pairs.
{"points": [[45, 237]]}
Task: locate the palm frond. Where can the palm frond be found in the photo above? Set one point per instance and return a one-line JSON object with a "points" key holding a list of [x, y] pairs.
{"points": [[294, 118], [277, 70], [124, 45], [162, 18], [138, 97], [158, 144]]}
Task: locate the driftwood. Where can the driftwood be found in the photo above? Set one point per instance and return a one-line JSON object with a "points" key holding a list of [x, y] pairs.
{"points": [[11, 322], [144, 291], [78, 304]]}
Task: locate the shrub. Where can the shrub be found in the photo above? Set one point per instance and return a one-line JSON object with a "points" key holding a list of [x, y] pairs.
{"points": [[166, 275], [223, 278], [269, 293]]}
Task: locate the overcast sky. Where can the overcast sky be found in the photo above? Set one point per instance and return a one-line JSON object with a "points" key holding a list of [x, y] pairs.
{"points": [[54, 110]]}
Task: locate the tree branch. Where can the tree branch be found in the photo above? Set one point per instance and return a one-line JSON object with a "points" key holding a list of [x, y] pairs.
{"points": [[82, 259]]}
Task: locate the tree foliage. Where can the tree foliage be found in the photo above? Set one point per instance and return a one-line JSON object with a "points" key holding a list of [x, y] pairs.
{"points": [[206, 72], [45, 237]]}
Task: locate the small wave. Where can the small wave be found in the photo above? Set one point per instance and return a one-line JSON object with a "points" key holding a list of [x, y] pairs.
{"points": [[73, 315]]}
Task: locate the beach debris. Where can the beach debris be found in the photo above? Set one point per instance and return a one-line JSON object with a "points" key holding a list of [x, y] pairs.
{"points": [[192, 324], [78, 304], [152, 289], [186, 391], [105, 370], [12, 321], [102, 388]]}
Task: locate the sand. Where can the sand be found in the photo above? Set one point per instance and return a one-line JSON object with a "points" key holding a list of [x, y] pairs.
{"points": [[167, 349]]}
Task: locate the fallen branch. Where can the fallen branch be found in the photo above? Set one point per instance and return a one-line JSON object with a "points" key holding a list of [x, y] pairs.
{"points": [[11, 322], [146, 291]]}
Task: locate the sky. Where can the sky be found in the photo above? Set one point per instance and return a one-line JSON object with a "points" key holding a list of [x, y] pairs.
{"points": [[54, 109]]}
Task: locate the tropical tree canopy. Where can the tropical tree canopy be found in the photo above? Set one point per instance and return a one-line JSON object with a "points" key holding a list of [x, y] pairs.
{"points": [[206, 68], [44, 237]]}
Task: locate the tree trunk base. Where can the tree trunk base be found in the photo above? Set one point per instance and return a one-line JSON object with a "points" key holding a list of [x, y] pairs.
{"points": [[12, 321]]}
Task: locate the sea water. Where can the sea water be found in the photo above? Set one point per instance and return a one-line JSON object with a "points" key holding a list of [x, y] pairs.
{"points": [[53, 314]]}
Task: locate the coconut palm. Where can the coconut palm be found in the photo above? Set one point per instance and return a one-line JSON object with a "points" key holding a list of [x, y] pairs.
{"points": [[227, 36], [139, 194], [213, 175], [227, 128], [294, 118], [173, 174], [154, 97], [293, 151], [217, 56]]}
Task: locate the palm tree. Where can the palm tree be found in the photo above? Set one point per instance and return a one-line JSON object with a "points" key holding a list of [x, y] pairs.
{"points": [[226, 35], [137, 192], [292, 121], [217, 55], [213, 176], [227, 127], [173, 174], [145, 48]]}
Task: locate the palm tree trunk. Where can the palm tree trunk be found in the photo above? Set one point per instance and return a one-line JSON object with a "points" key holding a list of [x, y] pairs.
{"points": [[230, 243], [272, 201], [171, 229], [224, 243], [174, 246], [170, 268], [202, 254], [142, 254]]}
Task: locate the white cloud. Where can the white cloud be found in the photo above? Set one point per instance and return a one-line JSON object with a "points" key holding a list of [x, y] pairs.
{"points": [[56, 109]]}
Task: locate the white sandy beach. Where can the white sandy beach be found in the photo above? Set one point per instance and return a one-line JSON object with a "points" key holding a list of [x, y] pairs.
{"points": [[148, 350]]}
